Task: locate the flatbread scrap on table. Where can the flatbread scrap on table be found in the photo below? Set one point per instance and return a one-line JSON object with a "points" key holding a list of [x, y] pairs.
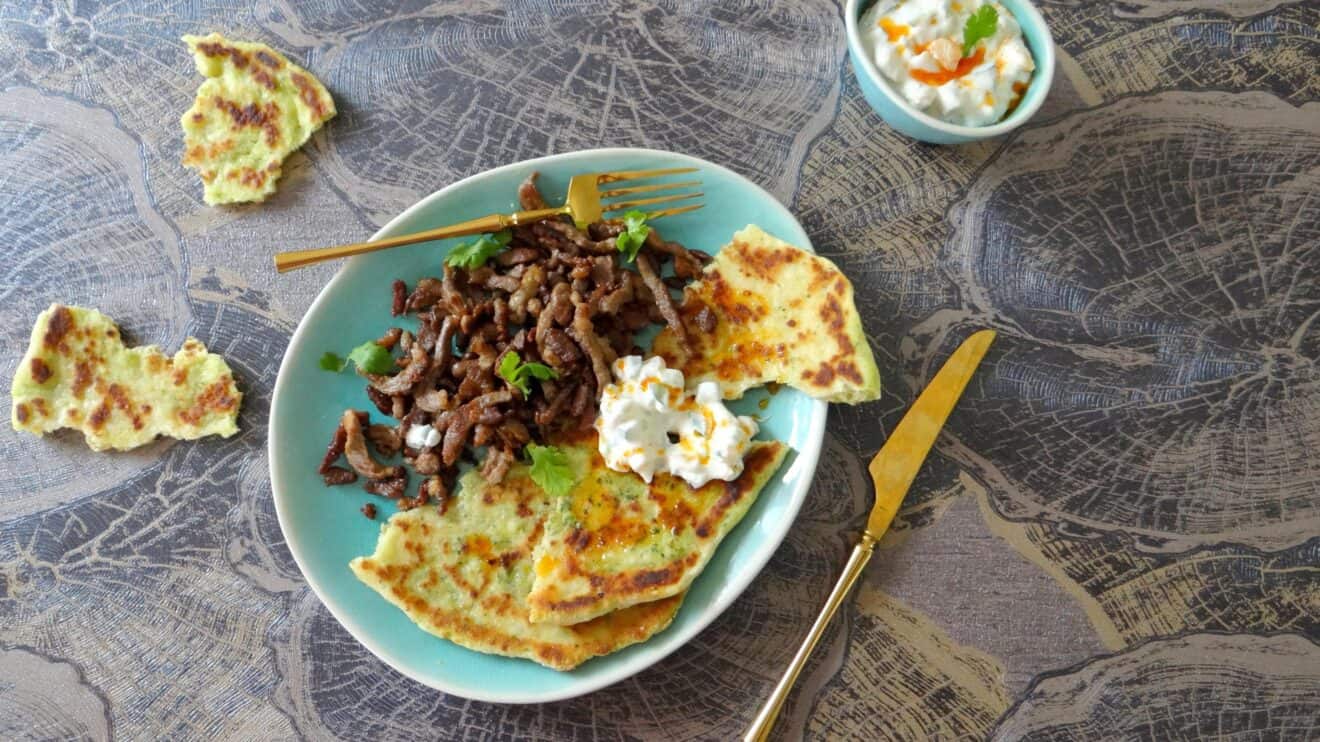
{"points": [[253, 110], [465, 575], [616, 541], [78, 374], [765, 311]]}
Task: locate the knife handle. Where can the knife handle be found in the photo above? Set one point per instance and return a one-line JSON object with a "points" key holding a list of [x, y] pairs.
{"points": [[759, 731]]}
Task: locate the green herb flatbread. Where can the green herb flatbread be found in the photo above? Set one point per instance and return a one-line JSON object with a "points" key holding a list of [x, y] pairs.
{"points": [[78, 374], [254, 109], [616, 541], [465, 576], [779, 314]]}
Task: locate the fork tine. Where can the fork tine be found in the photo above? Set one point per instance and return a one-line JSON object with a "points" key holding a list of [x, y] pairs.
{"points": [[672, 212], [640, 174], [646, 188], [646, 201]]}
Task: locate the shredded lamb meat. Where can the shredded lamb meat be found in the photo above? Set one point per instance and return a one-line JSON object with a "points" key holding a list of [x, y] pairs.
{"points": [[556, 295]]}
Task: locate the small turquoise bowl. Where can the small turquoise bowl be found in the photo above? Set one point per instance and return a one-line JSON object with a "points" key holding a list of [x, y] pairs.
{"points": [[901, 115]]}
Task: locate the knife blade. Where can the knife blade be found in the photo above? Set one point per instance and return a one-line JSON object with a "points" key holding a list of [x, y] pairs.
{"points": [[896, 465], [892, 470]]}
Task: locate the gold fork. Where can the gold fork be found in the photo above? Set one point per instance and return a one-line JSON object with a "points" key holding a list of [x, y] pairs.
{"points": [[585, 204]]}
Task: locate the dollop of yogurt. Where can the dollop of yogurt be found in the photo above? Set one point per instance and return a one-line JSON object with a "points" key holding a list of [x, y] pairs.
{"points": [[917, 46], [422, 436], [650, 423]]}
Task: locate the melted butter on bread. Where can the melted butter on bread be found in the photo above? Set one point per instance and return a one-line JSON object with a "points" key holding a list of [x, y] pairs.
{"points": [[78, 374], [781, 314], [252, 111]]}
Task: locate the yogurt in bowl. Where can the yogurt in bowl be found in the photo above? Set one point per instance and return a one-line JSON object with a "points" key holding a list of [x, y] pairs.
{"points": [[960, 61], [949, 111]]}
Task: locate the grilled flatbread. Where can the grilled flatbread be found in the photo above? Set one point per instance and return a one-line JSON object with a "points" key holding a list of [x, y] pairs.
{"points": [[465, 576], [78, 374], [616, 541], [780, 314], [254, 109]]}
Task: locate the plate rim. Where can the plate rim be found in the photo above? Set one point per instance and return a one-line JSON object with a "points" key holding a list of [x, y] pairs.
{"points": [[808, 457]]}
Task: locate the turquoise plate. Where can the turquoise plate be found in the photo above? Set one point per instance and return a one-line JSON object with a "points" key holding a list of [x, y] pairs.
{"points": [[322, 525]]}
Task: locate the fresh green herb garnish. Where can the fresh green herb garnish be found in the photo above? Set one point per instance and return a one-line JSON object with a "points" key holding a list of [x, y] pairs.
{"points": [[519, 374], [371, 358], [631, 240], [475, 254], [551, 469], [368, 357], [981, 25]]}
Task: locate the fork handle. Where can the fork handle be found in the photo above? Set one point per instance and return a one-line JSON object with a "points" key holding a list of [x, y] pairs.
{"points": [[764, 722], [287, 261]]}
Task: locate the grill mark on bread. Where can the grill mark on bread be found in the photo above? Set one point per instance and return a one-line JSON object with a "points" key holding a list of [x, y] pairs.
{"points": [[307, 92], [215, 398], [41, 372], [61, 322]]}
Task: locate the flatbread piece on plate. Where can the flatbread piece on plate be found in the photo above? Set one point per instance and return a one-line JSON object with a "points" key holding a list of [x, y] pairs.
{"points": [[765, 311], [252, 111], [465, 575], [616, 541], [78, 374]]}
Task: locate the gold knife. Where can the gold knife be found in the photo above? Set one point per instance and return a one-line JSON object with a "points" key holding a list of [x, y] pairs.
{"points": [[892, 470]]}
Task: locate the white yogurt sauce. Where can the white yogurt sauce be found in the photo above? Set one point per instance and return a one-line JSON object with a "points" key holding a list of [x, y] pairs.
{"points": [[647, 405], [421, 436], [912, 44]]}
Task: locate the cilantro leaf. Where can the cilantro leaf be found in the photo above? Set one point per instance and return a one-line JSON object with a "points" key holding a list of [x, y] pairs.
{"points": [[475, 254], [551, 469], [980, 25], [332, 362], [519, 374], [372, 358], [631, 240]]}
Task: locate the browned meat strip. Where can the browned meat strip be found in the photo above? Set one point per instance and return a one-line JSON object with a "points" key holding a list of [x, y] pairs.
{"points": [[517, 256], [355, 450], [334, 475], [437, 491], [584, 332], [558, 350], [528, 286], [529, 196], [429, 291], [687, 263], [456, 435], [402, 382], [427, 463], [496, 465], [451, 294], [391, 487], [381, 400], [333, 451], [432, 400], [660, 293], [384, 439], [444, 348], [506, 284], [390, 338], [581, 239], [399, 299]]}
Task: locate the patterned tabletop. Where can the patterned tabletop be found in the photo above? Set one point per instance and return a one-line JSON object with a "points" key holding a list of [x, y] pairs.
{"points": [[1117, 536]]}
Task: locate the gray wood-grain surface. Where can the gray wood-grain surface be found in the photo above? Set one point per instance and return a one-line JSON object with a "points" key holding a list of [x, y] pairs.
{"points": [[1117, 537]]}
